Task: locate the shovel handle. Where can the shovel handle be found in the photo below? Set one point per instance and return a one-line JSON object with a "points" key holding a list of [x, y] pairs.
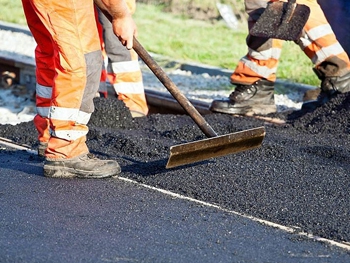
{"points": [[173, 89]]}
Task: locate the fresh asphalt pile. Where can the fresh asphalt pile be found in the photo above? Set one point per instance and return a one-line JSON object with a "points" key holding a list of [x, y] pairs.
{"points": [[299, 177]]}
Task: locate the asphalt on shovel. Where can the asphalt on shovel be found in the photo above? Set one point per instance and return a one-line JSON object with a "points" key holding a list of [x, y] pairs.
{"points": [[281, 20], [215, 145]]}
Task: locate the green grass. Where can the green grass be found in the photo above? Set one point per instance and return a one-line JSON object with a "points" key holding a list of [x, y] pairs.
{"points": [[189, 40], [212, 44], [11, 11], [197, 41]]}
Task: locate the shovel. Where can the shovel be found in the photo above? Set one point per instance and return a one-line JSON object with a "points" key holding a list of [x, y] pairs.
{"points": [[281, 20], [215, 145]]}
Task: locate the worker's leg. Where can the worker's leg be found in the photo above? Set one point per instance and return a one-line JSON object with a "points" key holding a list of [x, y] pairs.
{"points": [[255, 73], [320, 44], [44, 57], [263, 55], [124, 71], [77, 64]]}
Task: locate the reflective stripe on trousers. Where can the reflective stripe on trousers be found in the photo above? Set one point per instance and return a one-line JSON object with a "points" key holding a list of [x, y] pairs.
{"points": [[123, 70], [317, 41], [68, 59]]}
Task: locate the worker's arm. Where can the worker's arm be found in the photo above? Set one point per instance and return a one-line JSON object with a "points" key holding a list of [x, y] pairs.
{"points": [[123, 24]]}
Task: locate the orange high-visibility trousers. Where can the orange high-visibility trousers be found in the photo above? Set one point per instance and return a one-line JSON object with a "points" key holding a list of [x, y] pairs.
{"points": [[121, 67], [68, 69], [317, 41]]}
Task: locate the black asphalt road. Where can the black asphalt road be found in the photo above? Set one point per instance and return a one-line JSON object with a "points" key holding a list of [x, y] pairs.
{"points": [[115, 220]]}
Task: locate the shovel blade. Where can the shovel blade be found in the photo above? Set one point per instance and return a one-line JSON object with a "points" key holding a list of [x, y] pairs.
{"points": [[214, 147], [276, 22]]}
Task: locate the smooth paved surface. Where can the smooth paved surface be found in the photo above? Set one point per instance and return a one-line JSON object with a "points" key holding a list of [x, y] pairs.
{"points": [[113, 220]]}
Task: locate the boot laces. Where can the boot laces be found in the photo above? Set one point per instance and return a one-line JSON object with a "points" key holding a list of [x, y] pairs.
{"points": [[240, 91], [242, 88]]}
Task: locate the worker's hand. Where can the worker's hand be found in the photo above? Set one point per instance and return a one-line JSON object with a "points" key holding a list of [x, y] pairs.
{"points": [[125, 29], [119, 15]]}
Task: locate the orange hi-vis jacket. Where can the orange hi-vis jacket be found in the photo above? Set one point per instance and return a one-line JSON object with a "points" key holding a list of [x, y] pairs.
{"points": [[68, 69], [121, 67], [317, 41]]}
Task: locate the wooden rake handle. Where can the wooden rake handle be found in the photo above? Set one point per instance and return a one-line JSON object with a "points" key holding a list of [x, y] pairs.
{"points": [[174, 90]]}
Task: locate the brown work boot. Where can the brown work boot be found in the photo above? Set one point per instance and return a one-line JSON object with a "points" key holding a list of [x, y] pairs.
{"points": [[256, 98], [84, 166], [330, 87]]}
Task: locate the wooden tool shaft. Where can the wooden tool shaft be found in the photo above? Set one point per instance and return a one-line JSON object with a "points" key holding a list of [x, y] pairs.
{"points": [[173, 89]]}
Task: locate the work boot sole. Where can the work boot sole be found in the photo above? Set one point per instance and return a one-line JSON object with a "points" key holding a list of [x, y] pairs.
{"points": [[246, 110], [54, 171]]}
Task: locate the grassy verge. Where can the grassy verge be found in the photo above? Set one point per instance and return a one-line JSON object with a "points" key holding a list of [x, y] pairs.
{"points": [[211, 43], [11, 11], [205, 42]]}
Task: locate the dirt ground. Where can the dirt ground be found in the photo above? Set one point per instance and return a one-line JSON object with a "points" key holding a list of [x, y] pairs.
{"points": [[200, 10], [299, 177]]}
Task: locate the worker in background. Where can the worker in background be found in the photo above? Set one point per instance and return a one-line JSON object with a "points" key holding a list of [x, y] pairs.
{"points": [[121, 67], [255, 73], [68, 70]]}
